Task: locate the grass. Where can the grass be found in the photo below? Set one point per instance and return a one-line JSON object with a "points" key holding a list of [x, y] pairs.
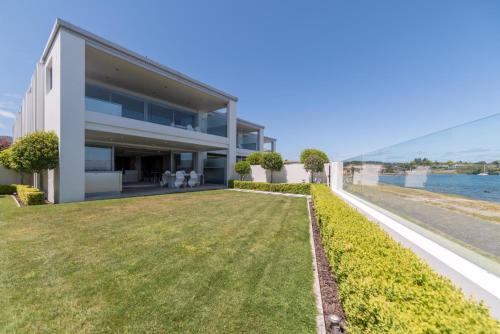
{"points": [[207, 262]]}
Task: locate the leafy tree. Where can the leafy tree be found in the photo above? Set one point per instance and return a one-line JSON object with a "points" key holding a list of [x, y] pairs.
{"points": [[255, 158], [313, 151], [314, 164], [243, 168], [11, 161], [272, 161], [37, 151]]}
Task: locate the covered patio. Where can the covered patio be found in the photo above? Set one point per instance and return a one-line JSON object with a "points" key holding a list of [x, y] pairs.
{"points": [[119, 166], [150, 190]]}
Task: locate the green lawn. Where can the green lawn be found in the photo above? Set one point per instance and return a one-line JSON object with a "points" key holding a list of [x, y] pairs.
{"points": [[206, 262]]}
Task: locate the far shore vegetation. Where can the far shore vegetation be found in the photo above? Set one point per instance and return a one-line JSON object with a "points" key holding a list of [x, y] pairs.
{"points": [[436, 167]]}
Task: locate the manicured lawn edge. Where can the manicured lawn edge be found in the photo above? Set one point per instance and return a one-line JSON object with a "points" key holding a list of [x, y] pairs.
{"points": [[385, 287], [288, 188], [26, 194]]}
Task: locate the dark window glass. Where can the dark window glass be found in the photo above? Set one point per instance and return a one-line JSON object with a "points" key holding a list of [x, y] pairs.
{"points": [[96, 92], [97, 158], [131, 108], [160, 115]]}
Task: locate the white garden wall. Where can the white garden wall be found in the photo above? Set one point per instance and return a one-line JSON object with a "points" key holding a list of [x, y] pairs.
{"points": [[8, 176], [290, 173]]}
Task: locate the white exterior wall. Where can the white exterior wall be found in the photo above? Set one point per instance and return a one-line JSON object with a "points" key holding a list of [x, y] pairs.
{"points": [[231, 134], [8, 176], [65, 114], [103, 182], [290, 173]]}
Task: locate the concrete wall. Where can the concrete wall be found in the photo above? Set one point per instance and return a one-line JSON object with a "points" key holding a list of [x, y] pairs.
{"points": [[8, 176], [103, 182], [65, 114], [231, 135], [290, 173]]}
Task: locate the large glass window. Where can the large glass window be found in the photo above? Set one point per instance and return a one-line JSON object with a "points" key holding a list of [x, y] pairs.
{"points": [[131, 108], [98, 158], [103, 100], [217, 124], [186, 120], [160, 115], [184, 161]]}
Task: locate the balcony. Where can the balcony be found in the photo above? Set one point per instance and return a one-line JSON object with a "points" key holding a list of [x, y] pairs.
{"points": [[116, 103]]}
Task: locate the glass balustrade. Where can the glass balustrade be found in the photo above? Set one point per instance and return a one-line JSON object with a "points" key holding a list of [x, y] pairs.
{"points": [[447, 182], [103, 100]]}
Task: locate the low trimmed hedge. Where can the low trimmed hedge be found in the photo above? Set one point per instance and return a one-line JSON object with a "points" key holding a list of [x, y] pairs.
{"points": [[289, 188], [7, 189], [384, 287], [29, 195]]}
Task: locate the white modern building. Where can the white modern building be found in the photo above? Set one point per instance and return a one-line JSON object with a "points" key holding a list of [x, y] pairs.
{"points": [[122, 118]]}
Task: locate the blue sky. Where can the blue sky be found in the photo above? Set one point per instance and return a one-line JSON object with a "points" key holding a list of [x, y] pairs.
{"points": [[344, 76]]}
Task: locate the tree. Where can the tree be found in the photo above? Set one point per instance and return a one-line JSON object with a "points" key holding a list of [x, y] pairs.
{"points": [[243, 168], [255, 158], [11, 161], [272, 161], [313, 151], [314, 164], [37, 152]]}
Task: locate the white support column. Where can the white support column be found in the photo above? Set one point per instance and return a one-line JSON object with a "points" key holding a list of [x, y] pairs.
{"points": [[337, 176], [231, 136], [65, 114], [273, 146], [261, 139], [200, 161]]}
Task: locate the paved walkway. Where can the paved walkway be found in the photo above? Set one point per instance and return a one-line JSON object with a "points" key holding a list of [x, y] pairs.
{"points": [[480, 234]]}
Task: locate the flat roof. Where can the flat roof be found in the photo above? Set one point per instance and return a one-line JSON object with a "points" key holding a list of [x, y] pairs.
{"points": [[249, 124], [104, 42]]}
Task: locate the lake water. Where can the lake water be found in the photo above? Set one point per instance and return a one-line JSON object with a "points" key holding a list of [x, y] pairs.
{"points": [[485, 188]]}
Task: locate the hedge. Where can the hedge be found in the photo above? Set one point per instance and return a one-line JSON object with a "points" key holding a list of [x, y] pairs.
{"points": [[29, 195], [384, 287], [289, 188], [7, 189]]}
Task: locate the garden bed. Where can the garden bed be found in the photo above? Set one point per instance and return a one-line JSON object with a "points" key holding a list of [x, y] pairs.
{"points": [[328, 284]]}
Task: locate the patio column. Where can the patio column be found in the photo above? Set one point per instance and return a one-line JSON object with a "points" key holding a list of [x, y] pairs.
{"points": [[231, 135], [261, 140]]}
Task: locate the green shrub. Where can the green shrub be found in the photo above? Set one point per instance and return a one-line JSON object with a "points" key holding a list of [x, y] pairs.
{"points": [[384, 287], [7, 189], [289, 188], [254, 158], [243, 168], [272, 161], [313, 151], [29, 195]]}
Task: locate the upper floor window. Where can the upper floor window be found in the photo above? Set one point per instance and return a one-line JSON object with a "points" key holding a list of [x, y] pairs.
{"points": [[49, 76]]}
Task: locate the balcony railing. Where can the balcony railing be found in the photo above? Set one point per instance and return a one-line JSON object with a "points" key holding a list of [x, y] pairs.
{"points": [[106, 101], [248, 141]]}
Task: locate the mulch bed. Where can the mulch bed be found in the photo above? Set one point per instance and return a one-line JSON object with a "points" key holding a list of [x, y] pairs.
{"points": [[327, 281]]}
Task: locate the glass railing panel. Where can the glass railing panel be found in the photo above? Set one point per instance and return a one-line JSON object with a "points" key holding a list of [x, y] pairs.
{"points": [[447, 182], [103, 107], [103, 100], [248, 141], [216, 123]]}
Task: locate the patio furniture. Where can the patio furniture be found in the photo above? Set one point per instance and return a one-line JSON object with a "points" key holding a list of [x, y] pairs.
{"points": [[180, 179], [165, 179], [193, 179]]}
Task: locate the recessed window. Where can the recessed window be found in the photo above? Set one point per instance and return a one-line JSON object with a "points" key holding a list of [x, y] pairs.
{"points": [[48, 76], [97, 158]]}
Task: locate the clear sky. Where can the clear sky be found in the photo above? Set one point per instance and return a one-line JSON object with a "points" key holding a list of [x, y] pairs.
{"points": [[344, 76]]}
